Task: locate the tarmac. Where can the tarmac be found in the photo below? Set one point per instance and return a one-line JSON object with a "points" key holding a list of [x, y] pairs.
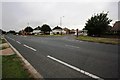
{"points": [[10, 50]]}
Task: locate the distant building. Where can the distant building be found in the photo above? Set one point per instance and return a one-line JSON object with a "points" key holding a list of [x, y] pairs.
{"points": [[37, 30], [116, 27], [22, 32], [81, 32], [72, 31], [58, 30], [67, 30]]}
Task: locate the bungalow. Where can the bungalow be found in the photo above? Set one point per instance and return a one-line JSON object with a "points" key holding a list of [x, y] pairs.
{"points": [[81, 32], [22, 32], [116, 28], [72, 31], [67, 30], [58, 30], [37, 30]]}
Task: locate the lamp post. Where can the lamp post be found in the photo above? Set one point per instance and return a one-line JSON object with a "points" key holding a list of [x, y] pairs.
{"points": [[61, 23], [28, 28], [61, 20]]}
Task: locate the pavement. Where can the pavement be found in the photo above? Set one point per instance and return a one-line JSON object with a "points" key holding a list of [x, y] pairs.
{"points": [[65, 57]]}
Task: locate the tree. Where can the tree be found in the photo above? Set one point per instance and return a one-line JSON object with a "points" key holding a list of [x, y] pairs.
{"points": [[28, 29], [11, 32], [98, 24], [3, 32], [45, 29]]}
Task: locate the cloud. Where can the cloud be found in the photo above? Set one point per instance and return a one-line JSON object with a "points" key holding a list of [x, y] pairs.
{"points": [[16, 15]]}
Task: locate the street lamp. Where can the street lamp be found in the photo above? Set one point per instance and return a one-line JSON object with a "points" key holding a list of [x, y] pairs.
{"points": [[61, 23], [61, 20]]}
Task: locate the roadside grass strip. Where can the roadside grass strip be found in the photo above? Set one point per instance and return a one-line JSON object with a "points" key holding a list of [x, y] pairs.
{"points": [[30, 47], [75, 68], [2, 41], [12, 67], [99, 39]]}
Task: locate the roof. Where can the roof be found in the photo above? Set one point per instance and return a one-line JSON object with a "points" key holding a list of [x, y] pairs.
{"points": [[66, 29], [57, 28], [72, 30], [116, 26], [37, 28]]}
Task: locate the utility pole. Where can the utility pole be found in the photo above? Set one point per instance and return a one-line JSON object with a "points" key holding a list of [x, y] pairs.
{"points": [[61, 23], [61, 20], [28, 26]]}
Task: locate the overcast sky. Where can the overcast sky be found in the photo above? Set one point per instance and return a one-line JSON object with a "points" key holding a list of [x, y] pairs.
{"points": [[16, 15]]}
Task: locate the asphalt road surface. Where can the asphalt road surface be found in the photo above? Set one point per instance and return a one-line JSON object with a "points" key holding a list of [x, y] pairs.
{"points": [[65, 57]]}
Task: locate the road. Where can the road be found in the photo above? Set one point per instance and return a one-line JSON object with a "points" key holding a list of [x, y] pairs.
{"points": [[65, 57]]}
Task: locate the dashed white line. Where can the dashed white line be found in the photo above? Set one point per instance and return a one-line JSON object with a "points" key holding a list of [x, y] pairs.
{"points": [[12, 39], [30, 47], [18, 42], [72, 46], [75, 68]]}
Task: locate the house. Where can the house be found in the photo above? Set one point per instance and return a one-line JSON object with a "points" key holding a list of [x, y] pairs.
{"points": [[72, 31], [66, 30], [58, 30], [81, 32], [22, 32], [116, 28], [37, 31]]}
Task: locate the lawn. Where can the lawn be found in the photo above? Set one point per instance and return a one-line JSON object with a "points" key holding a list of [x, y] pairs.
{"points": [[12, 67], [99, 39]]}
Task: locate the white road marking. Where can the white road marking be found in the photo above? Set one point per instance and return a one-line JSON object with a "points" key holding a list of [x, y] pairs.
{"points": [[18, 42], [30, 47], [75, 68], [72, 46], [13, 39]]}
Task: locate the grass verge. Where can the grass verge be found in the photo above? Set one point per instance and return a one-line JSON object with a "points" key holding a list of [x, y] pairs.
{"points": [[2, 41], [99, 39], [12, 67]]}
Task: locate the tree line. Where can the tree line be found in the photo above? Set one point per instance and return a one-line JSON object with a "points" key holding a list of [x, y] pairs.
{"points": [[44, 28], [97, 25]]}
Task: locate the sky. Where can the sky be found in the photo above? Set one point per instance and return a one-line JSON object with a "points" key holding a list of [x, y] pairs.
{"points": [[16, 15]]}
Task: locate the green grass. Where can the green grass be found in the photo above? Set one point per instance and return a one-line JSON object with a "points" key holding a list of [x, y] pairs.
{"points": [[12, 68], [2, 41], [99, 39]]}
